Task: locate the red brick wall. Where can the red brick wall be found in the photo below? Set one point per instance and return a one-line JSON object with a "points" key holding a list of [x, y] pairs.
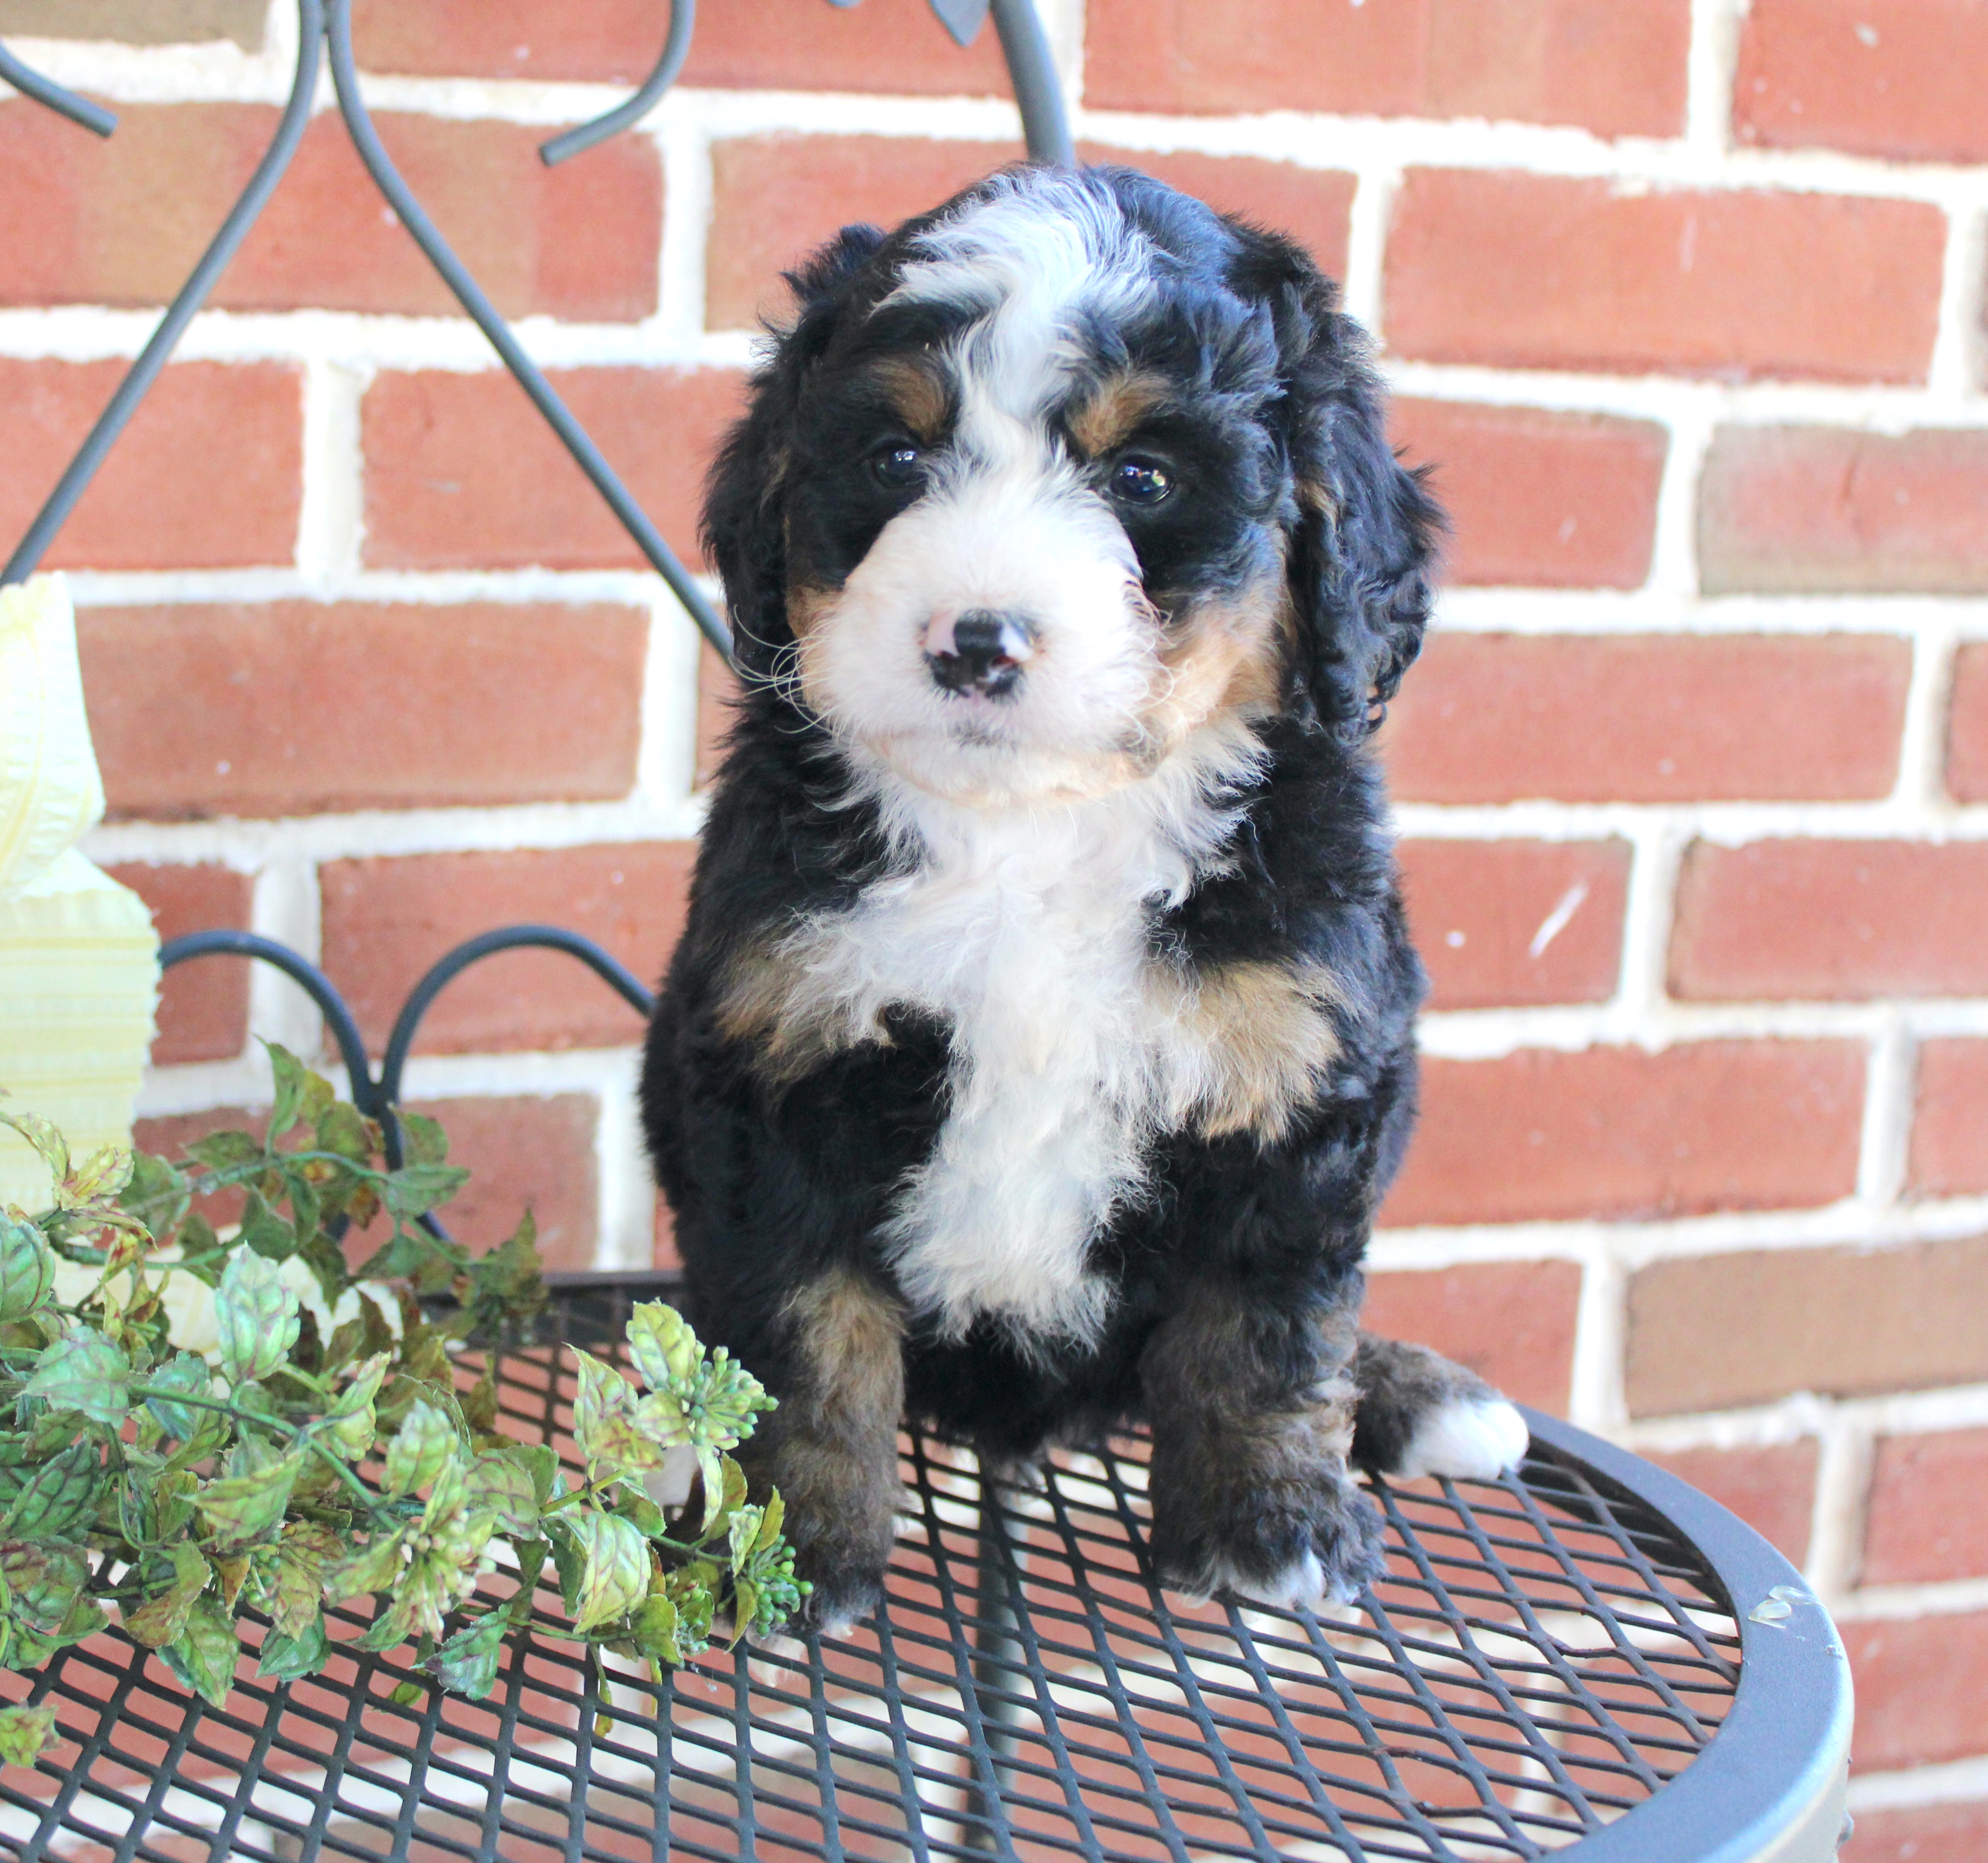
{"points": [[1684, 300]]}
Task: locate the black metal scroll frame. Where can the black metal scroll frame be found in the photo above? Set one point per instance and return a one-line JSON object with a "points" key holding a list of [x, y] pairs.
{"points": [[325, 30]]}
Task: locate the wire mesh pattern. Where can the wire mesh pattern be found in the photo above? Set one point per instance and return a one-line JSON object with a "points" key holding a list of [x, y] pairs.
{"points": [[1544, 1653]]}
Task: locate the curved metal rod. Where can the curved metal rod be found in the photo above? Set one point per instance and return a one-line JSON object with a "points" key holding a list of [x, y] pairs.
{"points": [[316, 984], [1038, 90], [64, 103], [676, 49], [82, 469], [611, 970], [469, 294]]}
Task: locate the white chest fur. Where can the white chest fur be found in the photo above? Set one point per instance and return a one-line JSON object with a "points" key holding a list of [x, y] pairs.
{"points": [[1026, 930]]}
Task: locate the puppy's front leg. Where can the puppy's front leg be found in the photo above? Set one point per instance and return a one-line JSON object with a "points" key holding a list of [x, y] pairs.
{"points": [[831, 1447], [1252, 1409]]}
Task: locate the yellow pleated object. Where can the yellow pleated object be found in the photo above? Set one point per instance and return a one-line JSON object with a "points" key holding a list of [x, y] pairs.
{"points": [[78, 957]]}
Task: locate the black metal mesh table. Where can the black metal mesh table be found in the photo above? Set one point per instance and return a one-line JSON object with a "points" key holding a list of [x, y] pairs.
{"points": [[1584, 1653]]}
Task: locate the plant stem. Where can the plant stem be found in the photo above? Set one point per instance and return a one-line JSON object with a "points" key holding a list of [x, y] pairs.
{"points": [[297, 1433]]}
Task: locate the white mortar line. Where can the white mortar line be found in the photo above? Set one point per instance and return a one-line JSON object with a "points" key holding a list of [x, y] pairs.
{"points": [[678, 326], [1674, 550], [1957, 1782], [285, 908], [1363, 288], [1886, 1133], [625, 1234], [1957, 345], [1836, 1525], [330, 516], [1595, 1398], [1804, 1414], [1642, 990], [1951, 1597], [668, 760], [1715, 51]]}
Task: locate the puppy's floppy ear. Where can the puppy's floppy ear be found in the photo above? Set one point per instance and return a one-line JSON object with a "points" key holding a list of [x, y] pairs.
{"points": [[744, 527], [1362, 542]]}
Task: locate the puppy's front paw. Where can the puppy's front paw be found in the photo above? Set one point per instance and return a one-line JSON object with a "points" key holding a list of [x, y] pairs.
{"points": [[1469, 1439], [1419, 1414], [1311, 1541], [846, 1589]]}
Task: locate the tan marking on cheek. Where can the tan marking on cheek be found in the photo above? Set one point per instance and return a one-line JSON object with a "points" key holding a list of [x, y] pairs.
{"points": [[1108, 419], [807, 603], [780, 1006], [1257, 1037], [1224, 659], [917, 395]]}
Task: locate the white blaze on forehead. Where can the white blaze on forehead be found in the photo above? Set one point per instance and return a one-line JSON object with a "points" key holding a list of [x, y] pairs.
{"points": [[1034, 256]]}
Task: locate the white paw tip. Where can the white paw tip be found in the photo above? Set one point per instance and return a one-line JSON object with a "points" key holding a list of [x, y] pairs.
{"points": [[1471, 1439], [1300, 1584]]}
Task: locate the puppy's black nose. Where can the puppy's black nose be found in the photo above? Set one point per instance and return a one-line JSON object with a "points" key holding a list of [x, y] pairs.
{"points": [[979, 651]]}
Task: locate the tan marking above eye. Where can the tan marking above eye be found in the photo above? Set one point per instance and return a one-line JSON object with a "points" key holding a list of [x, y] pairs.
{"points": [[1115, 408], [918, 395]]}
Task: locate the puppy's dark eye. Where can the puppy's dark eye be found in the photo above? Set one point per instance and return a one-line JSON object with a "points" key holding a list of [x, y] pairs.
{"points": [[897, 468], [1141, 482]]}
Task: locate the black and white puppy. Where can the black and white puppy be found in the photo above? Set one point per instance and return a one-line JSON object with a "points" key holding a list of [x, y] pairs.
{"points": [[1042, 1038]]}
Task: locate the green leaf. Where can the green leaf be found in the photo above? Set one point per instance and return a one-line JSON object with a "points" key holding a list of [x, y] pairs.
{"points": [[40, 1133], [416, 1189], [41, 1584], [467, 1662], [298, 1589], [59, 1499], [614, 1576], [501, 1486], [379, 1566], [84, 1371], [163, 1616], [289, 1073], [27, 1267], [285, 1658], [665, 1349], [203, 1655], [26, 1734], [256, 1315], [541, 1462], [225, 1151], [106, 1172], [341, 1128], [422, 1140], [187, 1373], [265, 1231], [425, 1444], [304, 1213], [654, 1627], [248, 1502], [350, 1423], [604, 1421]]}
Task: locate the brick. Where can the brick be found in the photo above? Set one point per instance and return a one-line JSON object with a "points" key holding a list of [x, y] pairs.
{"points": [[1709, 1332], [1615, 1131], [524, 1152], [1771, 1487], [1314, 206], [1830, 919], [208, 474], [386, 919], [1902, 82], [123, 221], [1649, 717], [1949, 1150], [482, 702], [1928, 1517], [894, 45], [1511, 1322], [138, 23], [1921, 1689], [460, 472], [1809, 510], [1615, 66], [1537, 499], [774, 199], [1527, 271], [1920, 1833], [203, 1004], [1506, 922], [1967, 726]]}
